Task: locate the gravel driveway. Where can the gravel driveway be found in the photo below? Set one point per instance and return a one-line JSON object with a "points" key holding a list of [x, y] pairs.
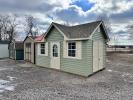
{"points": [[24, 81]]}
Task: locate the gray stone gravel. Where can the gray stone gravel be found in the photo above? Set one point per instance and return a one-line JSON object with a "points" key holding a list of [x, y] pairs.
{"points": [[24, 81]]}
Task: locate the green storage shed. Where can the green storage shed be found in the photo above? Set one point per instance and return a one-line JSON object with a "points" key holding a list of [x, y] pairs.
{"points": [[79, 49]]}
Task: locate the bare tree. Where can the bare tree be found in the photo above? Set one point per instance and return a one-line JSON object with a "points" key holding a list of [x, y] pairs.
{"points": [[7, 27], [12, 28], [1, 26], [31, 28], [106, 20]]}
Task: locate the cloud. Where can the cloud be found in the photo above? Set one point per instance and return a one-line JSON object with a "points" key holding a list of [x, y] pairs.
{"points": [[73, 12]]}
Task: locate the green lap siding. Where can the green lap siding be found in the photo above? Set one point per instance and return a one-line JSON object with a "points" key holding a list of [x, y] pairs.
{"points": [[77, 66], [80, 66], [44, 61]]}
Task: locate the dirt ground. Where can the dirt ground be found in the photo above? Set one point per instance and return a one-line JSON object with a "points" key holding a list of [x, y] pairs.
{"points": [[23, 81]]}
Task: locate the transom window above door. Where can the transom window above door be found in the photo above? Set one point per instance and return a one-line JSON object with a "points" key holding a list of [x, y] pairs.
{"points": [[72, 49], [55, 50]]}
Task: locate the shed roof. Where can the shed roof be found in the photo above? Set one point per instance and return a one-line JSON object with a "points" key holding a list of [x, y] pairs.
{"points": [[36, 38], [78, 31], [19, 45], [39, 38]]}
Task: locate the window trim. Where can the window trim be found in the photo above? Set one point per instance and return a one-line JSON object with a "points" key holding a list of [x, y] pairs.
{"points": [[42, 48], [78, 50], [39, 49]]}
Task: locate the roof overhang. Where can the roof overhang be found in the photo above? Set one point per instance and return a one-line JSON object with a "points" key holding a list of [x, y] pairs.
{"points": [[103, 28], [90, 37], [29, 38], [106, 33]]}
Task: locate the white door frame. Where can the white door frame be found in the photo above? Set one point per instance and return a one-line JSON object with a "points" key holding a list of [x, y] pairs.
{"points": [[97, 55], [55, 61]]}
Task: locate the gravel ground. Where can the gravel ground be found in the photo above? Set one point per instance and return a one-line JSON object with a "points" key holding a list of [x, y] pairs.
{"points": [[24, 81]]}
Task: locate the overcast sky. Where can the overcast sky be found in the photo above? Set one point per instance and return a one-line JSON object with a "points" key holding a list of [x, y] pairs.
{"points": [[120, 13]]}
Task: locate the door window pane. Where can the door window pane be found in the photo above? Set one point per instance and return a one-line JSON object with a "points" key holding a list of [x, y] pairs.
{"points": [[55, 50]]}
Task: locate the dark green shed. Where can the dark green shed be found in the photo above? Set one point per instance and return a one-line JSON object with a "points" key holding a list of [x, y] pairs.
{"points": [[16, 50]]}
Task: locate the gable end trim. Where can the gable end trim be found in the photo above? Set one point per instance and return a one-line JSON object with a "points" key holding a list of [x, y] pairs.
{"points": [[65, 37]]}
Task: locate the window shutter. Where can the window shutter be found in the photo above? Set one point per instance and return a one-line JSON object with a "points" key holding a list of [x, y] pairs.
{"points": [[46, 48], [79, 49], [38, 48], [65, 49]]}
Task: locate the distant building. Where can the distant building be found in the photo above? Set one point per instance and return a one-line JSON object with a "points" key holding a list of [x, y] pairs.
{"points": [[120, 48], [4, 51]]}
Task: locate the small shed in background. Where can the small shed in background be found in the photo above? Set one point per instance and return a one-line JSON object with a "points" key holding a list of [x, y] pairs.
{"points": [[30, 47], [16, 50], [4, 51]]}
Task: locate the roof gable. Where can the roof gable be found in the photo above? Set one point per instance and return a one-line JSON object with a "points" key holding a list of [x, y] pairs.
{"points": [[51, 26], [82, 31], [29, 37], [35, 39]]}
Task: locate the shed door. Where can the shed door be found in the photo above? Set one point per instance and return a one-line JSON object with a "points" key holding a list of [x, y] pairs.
{"points": [[4, 53], [55, 55], [101, 54], [19, 54], [28, 52], [98, 55]]}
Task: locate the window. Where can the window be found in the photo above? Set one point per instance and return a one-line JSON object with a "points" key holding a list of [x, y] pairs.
{"points": [[42, 48], [55, 50], [72, 49]]}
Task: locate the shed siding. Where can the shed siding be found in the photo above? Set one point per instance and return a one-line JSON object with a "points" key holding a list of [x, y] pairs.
{"points": [[41, 60], [4, 52], [80, 66], [77, 66], [44, 61]]}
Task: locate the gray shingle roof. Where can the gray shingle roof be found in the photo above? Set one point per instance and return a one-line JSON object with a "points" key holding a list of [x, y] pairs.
{"points": [[78, 31]]}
